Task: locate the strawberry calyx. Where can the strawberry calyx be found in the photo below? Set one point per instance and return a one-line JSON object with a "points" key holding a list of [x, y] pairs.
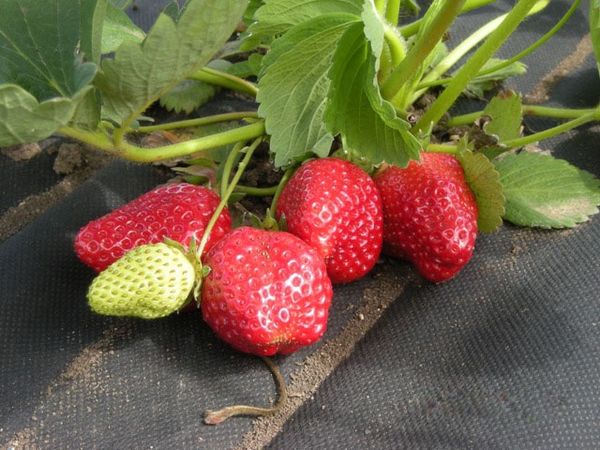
{"points": [[200, 272]]}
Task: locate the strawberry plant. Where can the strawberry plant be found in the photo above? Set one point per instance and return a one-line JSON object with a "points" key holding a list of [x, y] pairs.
{"points": [[339, 87]]}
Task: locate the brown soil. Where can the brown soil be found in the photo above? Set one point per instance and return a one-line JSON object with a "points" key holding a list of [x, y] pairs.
{"points": [[81, 370], [22, 152], [78, 162]]}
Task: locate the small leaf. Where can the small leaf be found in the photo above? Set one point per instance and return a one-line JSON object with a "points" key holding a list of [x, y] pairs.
{"points": [[505, 112], [481, 84], [23, 119], [367, 123], [293, 87], [484, 181], [139, 74], [253, 5], [189, 95], [545, 192], [119, 28], [42, 57], [277, 16]]}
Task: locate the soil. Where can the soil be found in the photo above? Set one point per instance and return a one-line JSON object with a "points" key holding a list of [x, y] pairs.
{"points": [[22, 152], [75, 161]]}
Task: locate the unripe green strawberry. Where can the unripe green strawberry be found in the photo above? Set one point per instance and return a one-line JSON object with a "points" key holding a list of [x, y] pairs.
{"points": [[149, 282]]}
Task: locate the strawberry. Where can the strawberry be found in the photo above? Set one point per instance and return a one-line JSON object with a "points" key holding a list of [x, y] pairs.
{"points": [[150, 281], [335, 207], [267, 292], [177, 211], [430, 215]]}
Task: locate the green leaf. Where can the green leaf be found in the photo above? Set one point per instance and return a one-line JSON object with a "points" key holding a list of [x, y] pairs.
{"points": [[505, 113], [141, 73], [87, 112], [367, 123], [595, 28], [23, 119], [293, 87], [277, 16], [484, 180], [253, 6], [121, 4], [41, 44], [545, 192], [118, 28], [92, 26], [189, 95], [481, 84]]}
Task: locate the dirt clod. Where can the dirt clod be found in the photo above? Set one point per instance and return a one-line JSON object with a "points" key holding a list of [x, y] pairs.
{"points": [[22, 152]]}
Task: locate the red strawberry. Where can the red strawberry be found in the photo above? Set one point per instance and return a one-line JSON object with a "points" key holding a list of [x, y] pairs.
{"points": [[335, 207], [430, 215], [177, 211], [267, 292]]}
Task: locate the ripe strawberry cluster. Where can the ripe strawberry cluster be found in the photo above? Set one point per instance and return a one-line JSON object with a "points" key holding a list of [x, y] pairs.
{"points": [[269, 292]]}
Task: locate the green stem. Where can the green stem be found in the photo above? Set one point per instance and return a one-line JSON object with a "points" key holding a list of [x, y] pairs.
{"points": [[392, 11], [427, 82], [442, 148], [150, 155], [225, 80], [396, 46], [422, 47], [256, 191], [235, 151], [541, 41], [551, 132], [225, 198], [529, 110], [286, 176], [380, 6], [412, 28], [474, 64], [201, 121], [456, 54]]}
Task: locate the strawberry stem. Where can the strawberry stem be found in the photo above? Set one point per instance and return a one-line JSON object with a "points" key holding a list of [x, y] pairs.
{"points": [[286, 176], [427, 41], [219, 416], [235, 151], [201, 121], [413, 28], [151, 155], [431, 80], [225, 80], [230, 188], [474, 64], [256, 191], [529, 110], [392, 11]]}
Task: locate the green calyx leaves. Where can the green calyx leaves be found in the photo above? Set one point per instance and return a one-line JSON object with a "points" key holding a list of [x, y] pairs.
{"points": [[484, 181], [320, 80]]}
